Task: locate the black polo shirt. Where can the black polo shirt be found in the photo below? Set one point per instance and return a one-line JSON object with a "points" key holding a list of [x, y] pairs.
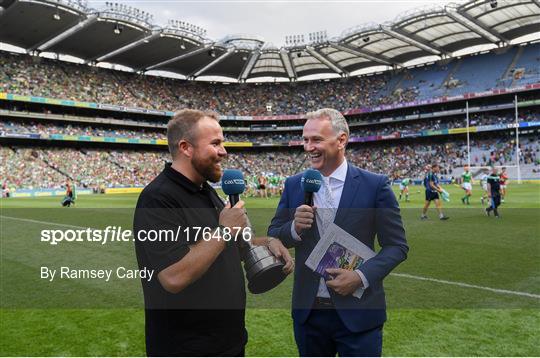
{"points": [[494, 182], [207, 317]]}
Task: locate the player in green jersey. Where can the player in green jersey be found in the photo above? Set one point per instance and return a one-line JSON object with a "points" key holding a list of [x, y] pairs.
{"points": [[251, 185], [466, 184], [404, 188], [273, 181]]}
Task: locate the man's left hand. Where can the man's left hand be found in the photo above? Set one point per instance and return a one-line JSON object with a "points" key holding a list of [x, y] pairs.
{"points": [[344, 282], [281, 252]]}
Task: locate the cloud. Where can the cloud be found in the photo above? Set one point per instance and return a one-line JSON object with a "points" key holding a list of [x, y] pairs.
{"points": [[273, 20]]}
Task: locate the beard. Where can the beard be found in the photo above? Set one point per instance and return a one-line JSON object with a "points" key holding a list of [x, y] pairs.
{"points": [[207, 168]]}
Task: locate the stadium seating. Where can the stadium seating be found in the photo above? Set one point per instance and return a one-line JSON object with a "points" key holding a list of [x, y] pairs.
{"points": [[427, 81], [527, 67], [407, 127], [473, 75], [52, 167], [25, 75], [37, 167], [22, 168]]}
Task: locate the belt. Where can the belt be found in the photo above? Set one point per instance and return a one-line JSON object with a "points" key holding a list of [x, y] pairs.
{"points": [[323, 302]]}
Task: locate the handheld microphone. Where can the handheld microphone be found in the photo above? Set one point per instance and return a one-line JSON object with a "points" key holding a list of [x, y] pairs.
{"points": [[233, 184], [311, 183]]}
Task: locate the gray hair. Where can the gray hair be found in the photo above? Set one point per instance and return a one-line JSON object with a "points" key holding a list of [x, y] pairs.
{"points": [[338, 122]]}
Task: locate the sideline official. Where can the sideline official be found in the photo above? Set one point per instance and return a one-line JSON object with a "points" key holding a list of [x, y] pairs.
{"points": [[196, 306]]}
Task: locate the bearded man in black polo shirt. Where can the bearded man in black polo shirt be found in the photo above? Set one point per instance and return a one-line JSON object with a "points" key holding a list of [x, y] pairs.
{"points": [[196, 306]]}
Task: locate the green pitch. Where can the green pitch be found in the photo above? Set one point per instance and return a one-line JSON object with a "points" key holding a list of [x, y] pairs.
{"points": [[471, 285]]}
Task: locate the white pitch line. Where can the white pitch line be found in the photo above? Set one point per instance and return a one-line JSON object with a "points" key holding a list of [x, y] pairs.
{"points": [[41, 222], [467, 285], [404, 275]]}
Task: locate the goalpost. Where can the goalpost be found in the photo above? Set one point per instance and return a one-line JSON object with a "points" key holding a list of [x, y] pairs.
{"points": [[516, 126]]}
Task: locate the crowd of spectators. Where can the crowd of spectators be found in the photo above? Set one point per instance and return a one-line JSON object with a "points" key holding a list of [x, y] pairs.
{"points": [[35, 167], [22, 168], [399, 161], [282, 162], [25, 75], [31, 75], [399, 96], [90, 168], [503, 152], [403, 127], [96, 168], [46, 128]]}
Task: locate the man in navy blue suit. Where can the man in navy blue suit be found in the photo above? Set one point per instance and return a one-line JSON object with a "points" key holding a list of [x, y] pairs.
{"points": [[327, 318]]}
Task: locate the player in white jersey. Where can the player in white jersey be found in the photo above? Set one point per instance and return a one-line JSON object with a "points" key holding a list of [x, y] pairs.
{"points": [[483, 183]]}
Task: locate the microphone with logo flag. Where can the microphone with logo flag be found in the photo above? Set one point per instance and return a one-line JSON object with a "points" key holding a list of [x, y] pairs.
{"points": [[311, 183], [233, 185]]}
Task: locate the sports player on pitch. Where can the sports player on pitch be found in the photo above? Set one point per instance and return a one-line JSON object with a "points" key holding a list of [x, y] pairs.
{"points": [[483, 183], [466, 184], [404, 188], [433, 189], [494, 192], [504, 182], [262, 186]]}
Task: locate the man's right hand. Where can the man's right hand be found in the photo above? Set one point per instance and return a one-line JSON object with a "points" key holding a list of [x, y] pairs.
{"points": [[234, 217], [303, 218]]}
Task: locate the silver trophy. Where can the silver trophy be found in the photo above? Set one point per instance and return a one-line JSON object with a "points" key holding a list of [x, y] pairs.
{"points": [[264, 271]]}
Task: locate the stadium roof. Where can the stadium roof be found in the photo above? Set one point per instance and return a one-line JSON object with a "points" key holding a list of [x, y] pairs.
{"points": [[124, 35]]}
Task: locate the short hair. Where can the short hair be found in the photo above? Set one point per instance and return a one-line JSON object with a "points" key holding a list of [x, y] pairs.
{"points": [[503, 168], [434, 165], [338, 122], [182, 126]]}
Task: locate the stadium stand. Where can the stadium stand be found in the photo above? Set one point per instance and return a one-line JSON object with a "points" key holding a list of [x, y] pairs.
{"points": [[472, 74], [426, 81], [25, 75], [22, 168], [51, 167], [527, 67], [404, 127], [401, 120]]}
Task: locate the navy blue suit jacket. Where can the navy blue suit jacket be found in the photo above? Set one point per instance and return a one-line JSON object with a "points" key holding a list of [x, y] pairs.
{"points": [[367, 208]]}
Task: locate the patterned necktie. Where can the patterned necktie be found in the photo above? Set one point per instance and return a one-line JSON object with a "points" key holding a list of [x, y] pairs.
{"points": [[326, 217], [327, 213]]}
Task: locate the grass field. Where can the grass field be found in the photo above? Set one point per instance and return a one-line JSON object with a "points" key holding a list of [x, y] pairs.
{"points": [[471, 285]]}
